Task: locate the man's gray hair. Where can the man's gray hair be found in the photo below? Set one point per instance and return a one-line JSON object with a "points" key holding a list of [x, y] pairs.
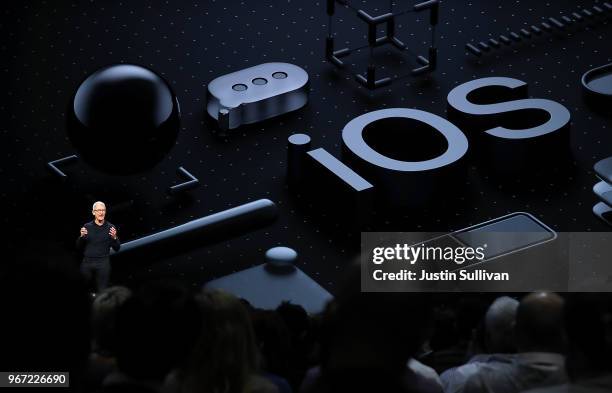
{"points": [[97, 203]]}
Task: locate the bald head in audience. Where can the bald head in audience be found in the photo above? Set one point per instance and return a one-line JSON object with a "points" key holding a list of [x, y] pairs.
{"points": [[539, 323], [500, 321]]}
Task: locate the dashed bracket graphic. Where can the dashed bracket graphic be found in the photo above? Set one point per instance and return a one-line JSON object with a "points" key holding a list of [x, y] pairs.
{"points": [[53, 165], [190, 183]]}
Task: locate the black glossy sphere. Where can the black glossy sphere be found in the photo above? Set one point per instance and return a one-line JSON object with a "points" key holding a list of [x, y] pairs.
{"points": [[123, 119]]}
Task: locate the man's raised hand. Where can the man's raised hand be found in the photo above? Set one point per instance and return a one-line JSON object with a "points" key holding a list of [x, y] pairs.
{"points": [[83, 232], [113, 232]]}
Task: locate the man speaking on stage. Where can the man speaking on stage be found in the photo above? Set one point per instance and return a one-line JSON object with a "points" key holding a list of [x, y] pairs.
{"points": [[96, 239]]}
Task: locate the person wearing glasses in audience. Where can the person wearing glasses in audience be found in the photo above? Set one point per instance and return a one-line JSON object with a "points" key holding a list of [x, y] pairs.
{"points": [[96, 239]]}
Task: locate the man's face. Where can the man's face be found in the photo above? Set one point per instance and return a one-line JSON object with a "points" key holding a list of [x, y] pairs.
{"points": [[99, 212]]}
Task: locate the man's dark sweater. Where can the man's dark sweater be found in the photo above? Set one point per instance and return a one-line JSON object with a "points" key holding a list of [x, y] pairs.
{"points": [[97, 242]]}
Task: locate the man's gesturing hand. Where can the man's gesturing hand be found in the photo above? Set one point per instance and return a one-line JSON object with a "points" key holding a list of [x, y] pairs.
{"points": [[113, 232], [83, 232]]}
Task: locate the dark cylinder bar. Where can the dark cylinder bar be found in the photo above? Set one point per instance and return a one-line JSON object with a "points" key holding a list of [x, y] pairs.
{"points": [[210, 229]]}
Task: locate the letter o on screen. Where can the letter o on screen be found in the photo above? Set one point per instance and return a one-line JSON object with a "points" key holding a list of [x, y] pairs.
{"points": [[352, 137], [402, 182]]}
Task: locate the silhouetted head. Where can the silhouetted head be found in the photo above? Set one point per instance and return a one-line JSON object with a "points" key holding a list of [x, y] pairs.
{"points": [[226, 353], [273, 340], [156, 329], [369, 334], [296, 318], [500, 321], [539, 323], [104, 317], [588, 321]]}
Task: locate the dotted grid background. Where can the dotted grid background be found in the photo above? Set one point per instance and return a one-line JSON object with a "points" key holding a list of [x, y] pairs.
{"points": [[49, 47]]}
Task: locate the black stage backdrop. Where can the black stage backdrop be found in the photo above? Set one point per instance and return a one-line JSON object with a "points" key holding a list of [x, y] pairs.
{"points": [[49, 47]]}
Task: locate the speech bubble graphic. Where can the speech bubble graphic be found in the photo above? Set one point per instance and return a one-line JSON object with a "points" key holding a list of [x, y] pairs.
{"points": [[257, 93]]}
